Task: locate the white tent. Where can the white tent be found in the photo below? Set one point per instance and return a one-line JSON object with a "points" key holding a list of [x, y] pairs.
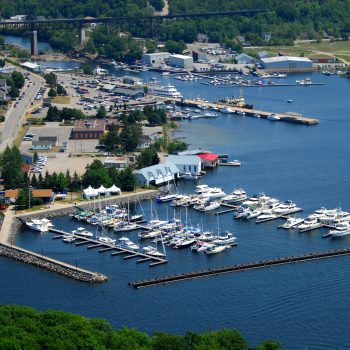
{"points": [[90, 192], [101, 190], [113, 189]]}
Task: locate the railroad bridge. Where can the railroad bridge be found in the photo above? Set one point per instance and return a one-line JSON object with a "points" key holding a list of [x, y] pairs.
{"points": [[78, 23]]}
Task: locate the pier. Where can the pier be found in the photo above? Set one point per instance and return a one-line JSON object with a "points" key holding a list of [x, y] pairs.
{"points": [[284, 117], [111, 247], [239, 268]]}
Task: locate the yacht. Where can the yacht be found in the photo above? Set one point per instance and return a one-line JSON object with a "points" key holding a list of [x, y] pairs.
{"points": [[165, 91], [213, 193], [126, 243], [285, 207], [184, 243], [253, 213], [210, 115], [241, 212], [273, 117], [341, 230], [150, 234], [68, 238], [309, 224], [106, 240], [214, 249], [200, 246], [166, 197], [266, 215], [37, 226], [236, 196], [81, 231], [126, 227], [292, 223], [201, 188]]}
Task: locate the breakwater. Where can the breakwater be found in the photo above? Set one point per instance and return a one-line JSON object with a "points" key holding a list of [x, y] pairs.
{"points": [[52, 265], [239, 268]]}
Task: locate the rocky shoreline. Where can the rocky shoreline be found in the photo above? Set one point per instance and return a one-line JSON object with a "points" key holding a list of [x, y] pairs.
{"points": [[52, 265]]}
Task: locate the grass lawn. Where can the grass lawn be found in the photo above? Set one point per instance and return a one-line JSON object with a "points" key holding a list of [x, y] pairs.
{"points": [[64, 100]]}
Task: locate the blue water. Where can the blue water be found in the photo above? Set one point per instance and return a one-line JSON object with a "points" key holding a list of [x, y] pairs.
{"points": [[305, 306], [24, 42]]}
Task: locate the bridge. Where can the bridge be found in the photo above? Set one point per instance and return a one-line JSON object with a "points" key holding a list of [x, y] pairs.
{"points": [[78, 23]]}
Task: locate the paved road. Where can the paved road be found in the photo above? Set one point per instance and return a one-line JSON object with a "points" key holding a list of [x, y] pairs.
{"points": [[15, 115]]}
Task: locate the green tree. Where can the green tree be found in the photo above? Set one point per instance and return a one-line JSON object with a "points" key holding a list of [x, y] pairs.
{"points": [[176, 146], [52, 92], [148, 157], [22, 200], [2, 63], [61, 91], [101, 112], [96, 174], [18, 79], [11, 164], [88, 70], [51, 79], [127, 180]]}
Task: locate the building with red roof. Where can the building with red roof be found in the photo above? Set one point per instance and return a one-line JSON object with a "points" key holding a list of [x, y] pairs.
{"points": [[210, 160]]}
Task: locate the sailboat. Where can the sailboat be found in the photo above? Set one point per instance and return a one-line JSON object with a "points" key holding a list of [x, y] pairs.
{"points": [[223, 239]]}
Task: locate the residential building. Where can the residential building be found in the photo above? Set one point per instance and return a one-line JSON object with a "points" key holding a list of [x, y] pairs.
{"points": [[186, 164], [181, 61], [145, 142], [45, 194], [286, 63], [88, 129], [202, 38], [157, 174]]}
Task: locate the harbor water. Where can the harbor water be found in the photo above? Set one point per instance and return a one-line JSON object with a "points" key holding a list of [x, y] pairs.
{"points": [[304, 306]]}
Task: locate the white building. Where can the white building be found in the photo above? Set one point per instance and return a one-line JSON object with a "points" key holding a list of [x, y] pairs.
{"points": [[155, 59], [186, 164], [157, 174], [18, 18], [286, 63], [181, 61], [41, 145]]}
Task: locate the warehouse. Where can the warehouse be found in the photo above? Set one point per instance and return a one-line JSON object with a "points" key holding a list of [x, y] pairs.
{"points": [[286, 63], [155, 59], [181, 61]]}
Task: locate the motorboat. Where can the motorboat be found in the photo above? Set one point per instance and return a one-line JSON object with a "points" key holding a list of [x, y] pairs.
{"points": [[318, 213], [227, 110], [106, 240], [240, 112], [309, 224], [126, 243], [234, 162], [210, 115], [189, 176], [236, 196], [81, 231], [207, 206], [200, 246], [68, 239], [166, 197], [273, 117], [150, 234], [214, 249], [253, 213], [285, 207], [241, 212], [184, 243], [149, 250], [126, 227], [165, 91], [225, 239], [292, 223]]}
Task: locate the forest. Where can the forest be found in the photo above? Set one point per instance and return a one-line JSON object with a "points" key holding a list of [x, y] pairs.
{"points": [[26, 328]]}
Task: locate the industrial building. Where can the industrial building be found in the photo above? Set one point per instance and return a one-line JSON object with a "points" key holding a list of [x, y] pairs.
{"points": [[155, 59], [181, 61], [286, 63]]}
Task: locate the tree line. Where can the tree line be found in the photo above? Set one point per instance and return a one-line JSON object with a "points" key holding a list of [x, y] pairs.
{"points": [[15, 81], [26, 328]]}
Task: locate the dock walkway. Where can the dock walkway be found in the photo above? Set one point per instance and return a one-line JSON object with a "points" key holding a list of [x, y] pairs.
{"points": [[239, 268], [110, 247]]}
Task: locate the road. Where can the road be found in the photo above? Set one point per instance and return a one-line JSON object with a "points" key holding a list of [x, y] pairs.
{"points": [[15, 115]]}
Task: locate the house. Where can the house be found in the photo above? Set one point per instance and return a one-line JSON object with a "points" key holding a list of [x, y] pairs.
{"points": [[244, 59], [157, 174], [145, 142], [45, 194], [186, 164], [4, 91], [88, 129], [117, 162], [41, 145], [210, 160]]}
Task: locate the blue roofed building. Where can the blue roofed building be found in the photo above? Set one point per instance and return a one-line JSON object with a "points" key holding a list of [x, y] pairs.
{"points": [[186, 163]]}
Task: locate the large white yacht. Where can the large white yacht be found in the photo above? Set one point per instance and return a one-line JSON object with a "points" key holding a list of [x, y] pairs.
{"points": [[292, 223], [341, 230], [238, 195], [309, 224], [165, 91]]}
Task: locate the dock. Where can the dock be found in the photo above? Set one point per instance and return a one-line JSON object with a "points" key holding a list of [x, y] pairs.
{"points": [[230, 206], [284, 117], [239, 268], [110, 247]]}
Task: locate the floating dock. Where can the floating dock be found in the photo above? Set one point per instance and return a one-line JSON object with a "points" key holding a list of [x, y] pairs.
{"points": [[239, 268], [110, 247]]}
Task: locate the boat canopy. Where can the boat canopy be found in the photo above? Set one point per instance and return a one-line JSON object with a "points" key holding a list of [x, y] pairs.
{"points": [[113, 189]]}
